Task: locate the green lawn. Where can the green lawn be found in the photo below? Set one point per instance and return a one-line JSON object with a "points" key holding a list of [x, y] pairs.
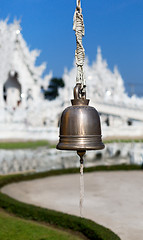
{"points": [[13, 228], [139, 140], [24, 145], [36, 144]]}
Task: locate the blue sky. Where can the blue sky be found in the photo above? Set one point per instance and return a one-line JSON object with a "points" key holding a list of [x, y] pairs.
{"points": [[115, 25]]}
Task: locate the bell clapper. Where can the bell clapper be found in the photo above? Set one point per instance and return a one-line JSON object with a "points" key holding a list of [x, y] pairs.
{"points": [[81, 154]]}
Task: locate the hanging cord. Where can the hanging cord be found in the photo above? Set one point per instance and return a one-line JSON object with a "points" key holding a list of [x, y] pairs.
{"points": [[78, 3], [81, 154], [78, 27], [81, 189]]}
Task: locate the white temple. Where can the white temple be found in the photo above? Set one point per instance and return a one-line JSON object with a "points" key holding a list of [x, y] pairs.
{"points": [[20, 78], [21, 99], [103, 85], [107, 93], [25, 114]]}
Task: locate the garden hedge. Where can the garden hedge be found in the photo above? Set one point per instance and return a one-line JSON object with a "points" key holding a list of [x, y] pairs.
{"points": [[88, 228]]}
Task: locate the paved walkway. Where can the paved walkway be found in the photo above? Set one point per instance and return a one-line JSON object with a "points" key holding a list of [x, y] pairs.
{"points": [[113, 199]]}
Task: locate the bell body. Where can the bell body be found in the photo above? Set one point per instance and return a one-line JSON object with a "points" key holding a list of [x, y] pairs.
{"points": [[80, 128]]}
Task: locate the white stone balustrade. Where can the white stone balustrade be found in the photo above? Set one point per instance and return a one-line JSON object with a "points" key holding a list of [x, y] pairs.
{"points": [[42, 159]]}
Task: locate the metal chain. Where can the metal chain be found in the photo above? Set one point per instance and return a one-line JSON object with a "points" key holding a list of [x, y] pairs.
{"points": [[78, 27]]}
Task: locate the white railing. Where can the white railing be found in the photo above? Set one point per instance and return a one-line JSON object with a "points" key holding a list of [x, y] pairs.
{"points": [[41, 159]]}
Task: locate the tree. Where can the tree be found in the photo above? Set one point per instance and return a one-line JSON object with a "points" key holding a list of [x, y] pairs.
{"points": [[52, 92]]}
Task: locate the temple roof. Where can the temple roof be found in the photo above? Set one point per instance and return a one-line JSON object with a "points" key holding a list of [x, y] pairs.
{"points": [[103, 85]]}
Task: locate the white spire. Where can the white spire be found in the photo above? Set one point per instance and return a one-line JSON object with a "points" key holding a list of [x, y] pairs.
{"points": [[99, 50], [99, 55]]}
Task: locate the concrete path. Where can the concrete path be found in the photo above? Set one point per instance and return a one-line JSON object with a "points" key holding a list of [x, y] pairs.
{"points": [[113, 199]]}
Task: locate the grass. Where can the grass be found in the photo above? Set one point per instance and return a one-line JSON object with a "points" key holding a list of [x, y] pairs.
{"points": [[86, 227], [13, 228], [44, 143], [25, 145], [123, 141]]}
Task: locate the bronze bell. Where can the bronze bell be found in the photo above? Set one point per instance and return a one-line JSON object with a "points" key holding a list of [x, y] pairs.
{"points": [[80, 126]]}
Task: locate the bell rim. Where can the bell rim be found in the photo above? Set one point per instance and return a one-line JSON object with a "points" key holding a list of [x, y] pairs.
{"points": [[67, 147], [80, 136], [80, 143]]}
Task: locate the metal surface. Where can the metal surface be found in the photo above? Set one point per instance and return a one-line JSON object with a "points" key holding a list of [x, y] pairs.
{"points": [[80, 126]]}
